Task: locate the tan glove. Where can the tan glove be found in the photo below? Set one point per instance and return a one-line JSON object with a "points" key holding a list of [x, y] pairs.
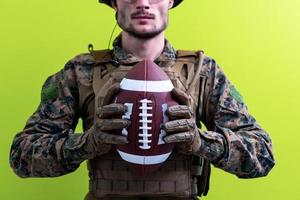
{"points": [[181, 128], [108, 125]]}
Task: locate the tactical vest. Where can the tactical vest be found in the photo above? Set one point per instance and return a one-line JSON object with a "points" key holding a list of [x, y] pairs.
{"points": [[180, 176]]}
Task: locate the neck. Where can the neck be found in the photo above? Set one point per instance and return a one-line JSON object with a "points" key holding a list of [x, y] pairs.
{"points": [[146, 49]]}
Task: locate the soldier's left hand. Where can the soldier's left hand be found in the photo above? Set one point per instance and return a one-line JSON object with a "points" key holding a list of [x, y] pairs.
{"points": [[181, 127]]}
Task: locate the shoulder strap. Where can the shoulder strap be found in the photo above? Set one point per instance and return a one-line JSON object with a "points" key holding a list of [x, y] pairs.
{"points": [[193, 61], [183, 68], [185, 53], [102, 66], [198, 66], [100, 56]]}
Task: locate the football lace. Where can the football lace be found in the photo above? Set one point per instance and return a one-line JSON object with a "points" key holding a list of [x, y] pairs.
{"points": [[146, 121]]}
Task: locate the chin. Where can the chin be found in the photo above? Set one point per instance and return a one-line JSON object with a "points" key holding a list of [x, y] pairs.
{"points": [[144, 32], [145, 35]]}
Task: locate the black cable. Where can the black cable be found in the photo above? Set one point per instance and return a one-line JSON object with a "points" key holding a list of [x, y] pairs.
{"points": [[111, 35]]}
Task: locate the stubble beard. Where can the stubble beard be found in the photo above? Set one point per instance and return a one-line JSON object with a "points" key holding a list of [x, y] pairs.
{"points": [[142, 35]]}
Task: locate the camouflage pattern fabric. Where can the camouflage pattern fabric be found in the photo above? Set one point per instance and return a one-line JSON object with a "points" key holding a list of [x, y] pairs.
{"points": [[49, 147]]}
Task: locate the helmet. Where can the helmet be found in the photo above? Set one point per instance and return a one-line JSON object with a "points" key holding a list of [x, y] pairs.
{"points": [[108, 2]]}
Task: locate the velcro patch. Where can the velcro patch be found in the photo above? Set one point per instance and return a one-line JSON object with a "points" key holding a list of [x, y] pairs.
{"points": [[235, 94], [49, 92]]}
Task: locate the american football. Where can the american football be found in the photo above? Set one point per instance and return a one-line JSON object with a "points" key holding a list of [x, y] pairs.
{"points": [[146, 91]]}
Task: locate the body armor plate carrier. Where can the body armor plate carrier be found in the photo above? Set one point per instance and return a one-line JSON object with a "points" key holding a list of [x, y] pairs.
{"points": [[180, 176]]}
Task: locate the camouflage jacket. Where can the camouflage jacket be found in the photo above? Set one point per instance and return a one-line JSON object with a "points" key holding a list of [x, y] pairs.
{"points": [[48, 147]]}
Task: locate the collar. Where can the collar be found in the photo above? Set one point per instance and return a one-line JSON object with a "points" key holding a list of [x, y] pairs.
{"points": [[168, 53]]}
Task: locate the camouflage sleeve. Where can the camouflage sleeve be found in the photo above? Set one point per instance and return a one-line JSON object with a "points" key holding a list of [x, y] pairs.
{"points": [[37, 151], [234, 141]]}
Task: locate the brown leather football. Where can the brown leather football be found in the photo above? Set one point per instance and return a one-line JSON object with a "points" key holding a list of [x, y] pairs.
{"points": [[146, 91]]}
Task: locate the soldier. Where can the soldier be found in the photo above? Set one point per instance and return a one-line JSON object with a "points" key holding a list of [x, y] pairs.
{"points": [[85, 87]]}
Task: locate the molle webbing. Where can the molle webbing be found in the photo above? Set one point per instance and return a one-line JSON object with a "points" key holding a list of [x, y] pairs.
{"points": [[112, 176]]}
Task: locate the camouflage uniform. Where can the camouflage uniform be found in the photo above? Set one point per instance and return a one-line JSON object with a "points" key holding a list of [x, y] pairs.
{"points": [[48, 147]]}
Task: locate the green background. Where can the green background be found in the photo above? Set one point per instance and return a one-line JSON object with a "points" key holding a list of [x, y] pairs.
{"points": [[256, 42]]}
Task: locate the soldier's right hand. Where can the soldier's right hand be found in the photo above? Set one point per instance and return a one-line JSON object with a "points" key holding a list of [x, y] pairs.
{"points": [[108, 124]]}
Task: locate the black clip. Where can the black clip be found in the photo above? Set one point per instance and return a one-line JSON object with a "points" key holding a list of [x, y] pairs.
{"points": [[90, 48], [114, 62]]}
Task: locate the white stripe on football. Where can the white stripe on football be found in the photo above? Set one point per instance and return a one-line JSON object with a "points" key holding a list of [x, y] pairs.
{"points": [[149, 86]]}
